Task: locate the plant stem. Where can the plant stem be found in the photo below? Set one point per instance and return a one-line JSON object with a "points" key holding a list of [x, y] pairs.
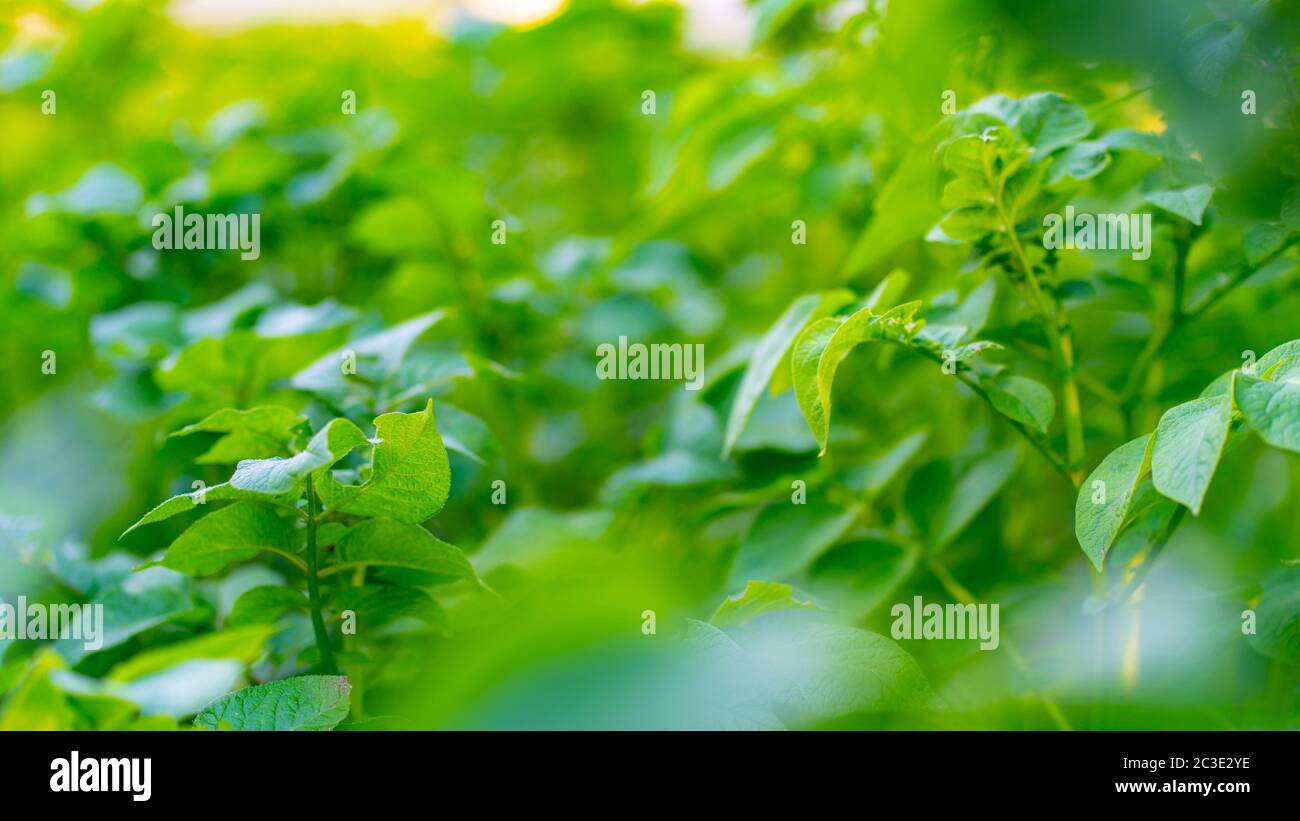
{"points": [[1034, 440], [1180, 316], [1057, 325], [313, 583]]}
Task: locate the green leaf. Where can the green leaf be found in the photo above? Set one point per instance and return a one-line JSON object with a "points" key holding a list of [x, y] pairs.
{"points": [[1080, 161], [768, 353], [1291, 208], [264, 604], [1188, 443], [409, 476], [736, 154], [1272, 409], [250, 434], [378, 605], [971, 223], [243, 644], [186, 502], [1277, 618], [823, 345], [755, 600], [1282, 364], [975, 488], [963, 192], [1028, 402], [378, 357], [906, 206], [531, 536], [1263, 240], [277, 476], [786, 537], [1101, 509], [1048, 121], [826, 670], [300, 703], [1189, 203], [232, 534], [1208, 52], [386, 543]]}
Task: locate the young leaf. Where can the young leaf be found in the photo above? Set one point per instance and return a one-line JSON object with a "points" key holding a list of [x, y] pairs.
{"points": [[1105, 496], [769, 352], [300, 703], [281, 476], [232, 534], [1273, 409], [410, 476], [1188, 443], [756, 599], [821, 348], [1024, 400], [384, 542]]}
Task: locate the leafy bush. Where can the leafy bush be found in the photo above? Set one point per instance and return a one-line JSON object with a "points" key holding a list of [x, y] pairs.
{"points": [[395, 492]]}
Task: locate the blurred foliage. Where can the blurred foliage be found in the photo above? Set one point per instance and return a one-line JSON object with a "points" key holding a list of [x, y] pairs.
{"points": [[674, 226]]}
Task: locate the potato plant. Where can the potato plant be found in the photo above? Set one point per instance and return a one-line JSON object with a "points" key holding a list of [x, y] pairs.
{"points": [[978, 306]]}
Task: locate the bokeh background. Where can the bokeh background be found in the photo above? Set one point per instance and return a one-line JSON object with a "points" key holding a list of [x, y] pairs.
{"points": [[672, 226]]}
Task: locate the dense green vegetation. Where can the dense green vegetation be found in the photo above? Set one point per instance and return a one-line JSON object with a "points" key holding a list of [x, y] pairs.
{"points": [[376, 477]]}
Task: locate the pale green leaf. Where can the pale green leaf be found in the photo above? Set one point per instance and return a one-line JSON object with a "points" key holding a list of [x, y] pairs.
{"points": [[300, 703], [378, 356], [755, 600], [279, 476], [1272, 409], [768, 353], [823, 345], [244, 644], [821, 671], [410, 476], [1105, 496], [1282, 364], [1188, 443]]}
